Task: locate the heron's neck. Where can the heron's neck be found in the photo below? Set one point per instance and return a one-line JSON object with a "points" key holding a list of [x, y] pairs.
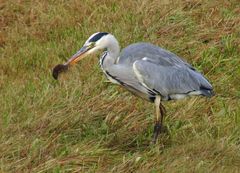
{"points": [[113, 50]]}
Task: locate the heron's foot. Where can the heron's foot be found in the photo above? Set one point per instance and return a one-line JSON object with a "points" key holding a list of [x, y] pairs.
{"points": [[156, 131]]}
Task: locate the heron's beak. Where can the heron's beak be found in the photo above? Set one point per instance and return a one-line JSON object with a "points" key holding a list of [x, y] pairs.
{"points": [[78, 56]]}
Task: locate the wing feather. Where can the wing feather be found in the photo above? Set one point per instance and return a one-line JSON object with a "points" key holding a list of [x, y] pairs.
{"points": [[169, 80]]}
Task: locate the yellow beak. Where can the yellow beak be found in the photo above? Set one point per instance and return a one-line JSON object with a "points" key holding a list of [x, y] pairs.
{"points": [[78, 56]]}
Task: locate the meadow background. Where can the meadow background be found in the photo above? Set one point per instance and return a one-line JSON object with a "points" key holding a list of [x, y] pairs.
{"points": [[82, 123]]}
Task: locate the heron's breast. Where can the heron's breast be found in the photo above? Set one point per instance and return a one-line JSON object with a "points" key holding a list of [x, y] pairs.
{"points": [[111, 78]]}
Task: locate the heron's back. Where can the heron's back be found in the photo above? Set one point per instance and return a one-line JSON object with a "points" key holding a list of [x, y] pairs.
{"points": [[163, 71], [137, 51]]}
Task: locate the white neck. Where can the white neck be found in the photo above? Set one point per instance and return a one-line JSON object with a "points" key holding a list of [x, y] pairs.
{"points": [[113, 50], [112, 46]]}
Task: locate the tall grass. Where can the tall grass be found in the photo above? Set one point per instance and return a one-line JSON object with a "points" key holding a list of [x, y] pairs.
{"points": [[82, 123]]}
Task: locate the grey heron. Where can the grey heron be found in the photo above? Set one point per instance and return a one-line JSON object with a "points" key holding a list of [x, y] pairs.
{"points": [[144, 69]]}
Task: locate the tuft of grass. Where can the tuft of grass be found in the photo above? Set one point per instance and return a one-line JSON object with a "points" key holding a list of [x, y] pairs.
{"points": [[82, 123]]}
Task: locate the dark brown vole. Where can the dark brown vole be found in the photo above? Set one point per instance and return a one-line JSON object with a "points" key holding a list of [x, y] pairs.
{"points": [[59, 69]]}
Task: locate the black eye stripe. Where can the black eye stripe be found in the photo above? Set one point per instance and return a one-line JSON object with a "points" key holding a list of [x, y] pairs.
{"points": [[98, 36]]}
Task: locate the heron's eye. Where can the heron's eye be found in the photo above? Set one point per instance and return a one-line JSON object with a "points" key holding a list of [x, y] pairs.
{"points": [[91, 45]]}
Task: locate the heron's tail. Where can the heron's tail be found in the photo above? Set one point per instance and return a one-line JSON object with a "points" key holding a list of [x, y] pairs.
{"points": [[207, 92]]}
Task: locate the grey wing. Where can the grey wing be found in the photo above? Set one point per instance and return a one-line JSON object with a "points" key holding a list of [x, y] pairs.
{"points": [[154, 53], [171, 81]]}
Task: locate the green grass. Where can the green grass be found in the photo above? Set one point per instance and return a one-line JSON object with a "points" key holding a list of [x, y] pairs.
{"points": [[82, 123]]}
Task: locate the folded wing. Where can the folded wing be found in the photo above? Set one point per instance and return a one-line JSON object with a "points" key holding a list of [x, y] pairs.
{"points": [[171, 82]]}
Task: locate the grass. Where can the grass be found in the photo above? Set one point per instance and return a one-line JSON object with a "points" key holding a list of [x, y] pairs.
{"points": [[83, 123]]}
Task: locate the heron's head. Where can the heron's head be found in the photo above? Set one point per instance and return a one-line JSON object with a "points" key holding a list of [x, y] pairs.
{"points": [[97, 41]]}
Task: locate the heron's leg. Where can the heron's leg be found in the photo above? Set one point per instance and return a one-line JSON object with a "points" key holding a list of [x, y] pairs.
{"points": [[159, 118], [163, 112]]}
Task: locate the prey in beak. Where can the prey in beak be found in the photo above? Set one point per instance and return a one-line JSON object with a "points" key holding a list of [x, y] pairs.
{"points": [[73, 60], [59, 69]]}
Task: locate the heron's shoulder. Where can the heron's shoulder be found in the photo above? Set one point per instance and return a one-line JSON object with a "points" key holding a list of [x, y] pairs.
{"points": [[140, 45], [140, 49], [145, 48]]}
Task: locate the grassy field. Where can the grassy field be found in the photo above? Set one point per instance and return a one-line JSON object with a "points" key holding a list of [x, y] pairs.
{"points": [[82, 123]]}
